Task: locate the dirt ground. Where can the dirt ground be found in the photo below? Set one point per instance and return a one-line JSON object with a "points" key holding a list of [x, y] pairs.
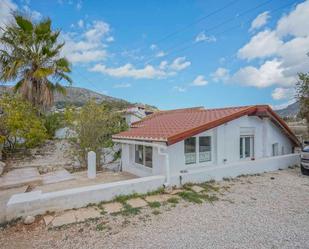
{"points": [[262, 211]]}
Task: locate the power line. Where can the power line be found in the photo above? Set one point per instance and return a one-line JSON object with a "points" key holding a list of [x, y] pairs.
{"points": [[195, 22], [172, 49], [177, 51]]}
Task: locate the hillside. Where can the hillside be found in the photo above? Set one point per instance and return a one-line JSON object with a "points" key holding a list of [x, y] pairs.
{"points": [[79, 96], [289, 111]]}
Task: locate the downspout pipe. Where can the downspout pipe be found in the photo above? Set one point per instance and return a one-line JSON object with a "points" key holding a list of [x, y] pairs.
{"points": [[160, 147], [167, 167]]}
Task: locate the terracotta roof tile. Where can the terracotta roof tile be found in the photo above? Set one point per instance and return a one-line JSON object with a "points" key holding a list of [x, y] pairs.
{"points": [[175, 125]]}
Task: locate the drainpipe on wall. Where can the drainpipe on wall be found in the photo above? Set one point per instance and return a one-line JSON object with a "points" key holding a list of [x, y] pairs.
{"points": [[167, 165]]}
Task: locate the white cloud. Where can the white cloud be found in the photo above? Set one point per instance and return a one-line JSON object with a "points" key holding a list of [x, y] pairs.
{"points": [[153, 46], [163, 65], [148, 72], [263, 44], [80, 23], [87, 56], [110, 39], [179, 89], [260, 20], [98, 30], [34, 15], [269, 73], [296, 22], [160, 54], [199, 81], [128, 70], [88, 46], [6, 9], [280, 93], [179, 64], [282, 53], [221, 74], [79, 4], [201, 37], [122, 85]]}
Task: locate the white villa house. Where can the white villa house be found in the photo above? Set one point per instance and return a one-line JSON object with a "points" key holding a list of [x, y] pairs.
{"points": [[197, 144], [134, 114]]}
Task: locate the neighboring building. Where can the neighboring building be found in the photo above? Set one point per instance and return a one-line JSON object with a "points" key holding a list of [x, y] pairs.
{"points": [[134, 114], [203, 141]]}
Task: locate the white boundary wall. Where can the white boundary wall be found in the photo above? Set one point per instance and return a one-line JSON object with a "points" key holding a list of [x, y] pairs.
{"points": [[235, 169], [34, 203]]}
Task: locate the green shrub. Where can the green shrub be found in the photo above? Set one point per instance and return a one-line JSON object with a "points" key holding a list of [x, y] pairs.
{"points": [[20, 123], [53, 122]]}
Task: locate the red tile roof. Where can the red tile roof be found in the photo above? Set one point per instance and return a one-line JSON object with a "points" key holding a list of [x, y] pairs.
{"points": [[176, 125]]}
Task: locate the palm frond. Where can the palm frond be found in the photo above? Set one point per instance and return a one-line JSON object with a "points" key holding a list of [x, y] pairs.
{"points": [[23, 23], [43, 72]]}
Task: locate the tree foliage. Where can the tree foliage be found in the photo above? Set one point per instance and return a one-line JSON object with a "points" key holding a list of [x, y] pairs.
{"points": [[19, 123], [302, 94], [53, 122], [30, 55], [94, 125]]}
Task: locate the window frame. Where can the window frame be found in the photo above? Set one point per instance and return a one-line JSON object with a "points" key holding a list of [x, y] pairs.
{"points": [[275, 149], [143, 163], [200, 151], [186, 153], [243, 147]]}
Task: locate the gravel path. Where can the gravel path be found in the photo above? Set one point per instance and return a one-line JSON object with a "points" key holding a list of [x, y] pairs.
{"points": [[266, 211]]}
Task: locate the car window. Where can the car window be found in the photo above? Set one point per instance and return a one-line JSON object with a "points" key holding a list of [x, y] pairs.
{"points": [[306, 149]]}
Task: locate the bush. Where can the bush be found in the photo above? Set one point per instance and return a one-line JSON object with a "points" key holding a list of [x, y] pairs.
{"points": [[20, 124], [94, 125], [53, 122]]}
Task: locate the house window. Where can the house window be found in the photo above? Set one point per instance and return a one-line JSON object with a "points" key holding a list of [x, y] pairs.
{"points": [[148, 156], [143, 155], [282, 150], [246, 147], [275, 149], [139, 154], [204, 149], [190, 150]]}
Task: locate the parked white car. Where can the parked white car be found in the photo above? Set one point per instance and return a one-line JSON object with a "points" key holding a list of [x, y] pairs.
{"points": [[304, 164]]}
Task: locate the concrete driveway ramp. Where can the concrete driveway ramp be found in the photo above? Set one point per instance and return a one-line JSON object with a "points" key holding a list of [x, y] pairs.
{"points": [[57, 176], [20, 177]]}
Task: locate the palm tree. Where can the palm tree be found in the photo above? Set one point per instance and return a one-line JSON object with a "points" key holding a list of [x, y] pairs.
{"points": [[30, 55]]}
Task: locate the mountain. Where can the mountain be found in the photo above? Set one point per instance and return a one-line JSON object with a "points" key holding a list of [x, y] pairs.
{"points": [[290, 111], [79, 96]]}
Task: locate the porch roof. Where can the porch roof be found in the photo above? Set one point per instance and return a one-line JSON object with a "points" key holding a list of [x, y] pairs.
{"points": [[175, 125]]}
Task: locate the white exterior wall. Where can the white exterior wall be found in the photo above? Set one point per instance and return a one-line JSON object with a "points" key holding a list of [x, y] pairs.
{"points": [[128, 162], [225, 147], [225, 143], [37, 202]]}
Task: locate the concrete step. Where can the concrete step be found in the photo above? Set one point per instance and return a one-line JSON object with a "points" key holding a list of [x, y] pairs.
{"points": [[20, 177]]}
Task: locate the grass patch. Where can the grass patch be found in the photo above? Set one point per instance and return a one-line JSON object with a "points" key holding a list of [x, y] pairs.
{"points": [[123, 198], [209, 198], [208, 186], [156, 212], [102, 227], [156, 192], [154, 204], [173, 200], [198, 198], [191, 197], [128, 210]]}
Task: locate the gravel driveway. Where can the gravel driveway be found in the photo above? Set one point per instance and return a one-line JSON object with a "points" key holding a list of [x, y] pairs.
{"points": [[266, 211]]}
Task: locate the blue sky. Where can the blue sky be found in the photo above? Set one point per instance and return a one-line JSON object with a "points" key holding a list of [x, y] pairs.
{"points": [[184, 53]]}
